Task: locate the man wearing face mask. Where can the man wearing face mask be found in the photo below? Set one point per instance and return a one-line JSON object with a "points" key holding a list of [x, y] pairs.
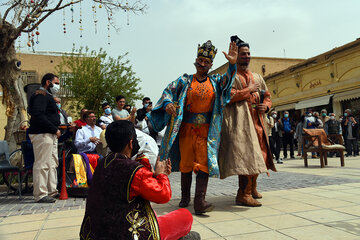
{"points": [[143, 120], [147, 106], [324, 117], [350, 126], [107, 118], [244, 146], [44, 134], [311, 122], [191, 107], [288, 127], [62, 114], [275, 138], [333, 126]]}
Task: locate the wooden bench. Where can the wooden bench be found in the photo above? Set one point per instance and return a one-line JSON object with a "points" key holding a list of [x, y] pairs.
{"points": [[316, 140]]}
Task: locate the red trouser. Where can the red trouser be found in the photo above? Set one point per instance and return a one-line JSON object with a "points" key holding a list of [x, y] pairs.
{"points": [[175, 224]]}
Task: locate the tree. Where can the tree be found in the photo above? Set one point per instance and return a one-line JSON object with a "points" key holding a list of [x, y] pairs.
{"points": [[93, 78], [25, 16]]}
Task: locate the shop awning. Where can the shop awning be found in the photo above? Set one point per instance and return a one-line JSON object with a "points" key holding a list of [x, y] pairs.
{"points": [[285, 107], [313, 102], [347, 95]]}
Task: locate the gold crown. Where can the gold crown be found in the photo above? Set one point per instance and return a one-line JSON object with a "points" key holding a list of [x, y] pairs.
{"points": [[207, 50]]}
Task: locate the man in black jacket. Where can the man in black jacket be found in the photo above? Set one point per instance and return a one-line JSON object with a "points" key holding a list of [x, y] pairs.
{"points": [[350, 127], [141, 116], [44, 134], [288, 128]]}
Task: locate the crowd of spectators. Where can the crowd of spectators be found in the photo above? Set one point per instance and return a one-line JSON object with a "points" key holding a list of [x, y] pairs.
{"points": [[286, 131], [50, 126]]}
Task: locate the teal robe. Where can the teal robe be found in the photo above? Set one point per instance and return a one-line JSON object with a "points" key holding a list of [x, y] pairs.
{"points": [[176, 92]]}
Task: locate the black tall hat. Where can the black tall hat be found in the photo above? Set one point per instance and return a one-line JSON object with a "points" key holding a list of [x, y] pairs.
{"points": [[240, 43]]}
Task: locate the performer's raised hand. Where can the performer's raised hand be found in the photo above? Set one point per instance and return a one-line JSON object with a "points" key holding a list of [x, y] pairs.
{"points": [[231, 56], [171, 109]]}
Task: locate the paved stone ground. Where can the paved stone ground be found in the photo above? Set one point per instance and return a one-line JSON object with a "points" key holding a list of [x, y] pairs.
{"points": [[282, 180]]}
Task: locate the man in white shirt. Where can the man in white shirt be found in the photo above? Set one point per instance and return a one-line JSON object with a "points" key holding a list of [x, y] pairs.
{"points": [[88, 136], [107, 118]]}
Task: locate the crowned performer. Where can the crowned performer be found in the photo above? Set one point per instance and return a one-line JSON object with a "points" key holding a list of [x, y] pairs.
{"points": [[191, 108], [244, 147]]}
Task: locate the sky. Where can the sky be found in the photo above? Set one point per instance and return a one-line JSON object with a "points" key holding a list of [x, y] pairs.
{"points": [[162, 43]]}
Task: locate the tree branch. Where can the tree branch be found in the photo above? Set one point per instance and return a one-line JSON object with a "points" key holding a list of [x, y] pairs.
{"points": [[64, 6], [8, 10]]}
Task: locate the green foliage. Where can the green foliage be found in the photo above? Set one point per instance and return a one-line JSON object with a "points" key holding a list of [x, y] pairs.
{"points": [[91, 78]]}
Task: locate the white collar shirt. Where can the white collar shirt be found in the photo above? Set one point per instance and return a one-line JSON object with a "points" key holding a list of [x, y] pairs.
{"points": [[82, 138]]}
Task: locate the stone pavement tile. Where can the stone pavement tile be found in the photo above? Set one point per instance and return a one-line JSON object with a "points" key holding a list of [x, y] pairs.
{"points": [[204, 232], [282, 221], [235, 227], [216, 215], [20, 227], [355, 185], [217, 238], [308, 190], [163, 211], [352, 226], [221, 199], [159, 206], [64, 233], [296, 195], [318, 232], [309, 198], [24, 218], [325, 216], [347, 226], [63, 222], [352, 190], [268, 235], [279, 193], [269, 199], [353, 199], [335, 187], [330, 203], [293, 207], [253, 212], [352, 210], [67, 214], [334, 194], [20, 236]]}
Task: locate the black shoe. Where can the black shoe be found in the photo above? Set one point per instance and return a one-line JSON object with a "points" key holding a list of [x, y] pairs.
{"points": [[292, 157], [47, 199], [191, 235], [56, 196], [279, 161]]}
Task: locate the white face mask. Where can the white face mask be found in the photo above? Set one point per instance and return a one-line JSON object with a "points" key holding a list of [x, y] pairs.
{"points": [[55, 89], [332, 117], [274, 115]]}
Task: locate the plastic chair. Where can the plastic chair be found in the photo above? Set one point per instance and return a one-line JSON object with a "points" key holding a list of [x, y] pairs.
{"points": [[6, 167]]}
